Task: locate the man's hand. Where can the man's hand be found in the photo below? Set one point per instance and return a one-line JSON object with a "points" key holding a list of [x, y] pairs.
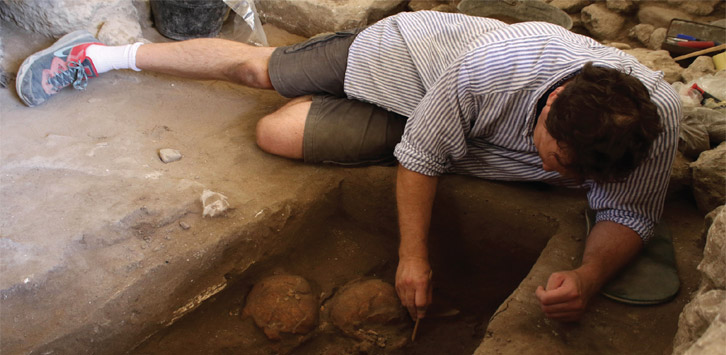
{"points": [[565, 297], [413, 284], [609, 247]]}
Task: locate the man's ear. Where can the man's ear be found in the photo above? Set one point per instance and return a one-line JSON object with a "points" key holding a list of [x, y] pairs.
{"points": [[553, 95]]}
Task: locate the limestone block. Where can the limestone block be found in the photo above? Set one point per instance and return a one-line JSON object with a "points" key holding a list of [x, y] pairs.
{"points": [[658, 16], [713, 341], [693, 137], [657, 38], [282, 304], [641, 32], [680, 174], [703, 65], [621, 6], [710, 217], [570, 6], [58, 17], [696, 317], [418, 5], [714, 121], [709, 178], [713, 265], [601, 22], [658, 60], [311, 17], [700, 7]]}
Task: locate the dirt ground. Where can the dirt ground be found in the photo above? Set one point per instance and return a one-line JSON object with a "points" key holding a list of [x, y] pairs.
{"points": [[104, 249]]}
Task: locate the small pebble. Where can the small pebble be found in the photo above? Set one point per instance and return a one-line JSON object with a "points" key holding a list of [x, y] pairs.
{"points": [[184, 225], [169, 155]]}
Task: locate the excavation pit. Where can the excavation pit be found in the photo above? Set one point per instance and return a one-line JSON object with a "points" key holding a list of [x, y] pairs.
{"points": [[479, 257]]}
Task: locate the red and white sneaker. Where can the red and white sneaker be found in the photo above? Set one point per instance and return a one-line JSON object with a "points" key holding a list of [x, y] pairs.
{"points": [[64, 63]]}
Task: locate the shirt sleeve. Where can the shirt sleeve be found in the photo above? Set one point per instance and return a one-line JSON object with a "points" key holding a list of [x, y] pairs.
{"points": [[637, 203], [437, 129]]}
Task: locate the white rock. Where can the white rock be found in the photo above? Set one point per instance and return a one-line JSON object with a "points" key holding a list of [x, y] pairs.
{"points": [[119, 30], [601, 22], [709, 178], [658, 60], [657, 37], [713, 265], [214, 203], [703, 65], [58, 17], [642, 32], [656, 14], [696, 318], [169, 155], [311, 17]]}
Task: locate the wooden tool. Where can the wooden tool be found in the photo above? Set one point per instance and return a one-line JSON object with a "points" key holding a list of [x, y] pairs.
{"points": [[704, 51]]}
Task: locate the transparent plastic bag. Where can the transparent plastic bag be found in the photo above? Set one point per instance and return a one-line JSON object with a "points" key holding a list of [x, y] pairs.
{"points": [[247, 25]]}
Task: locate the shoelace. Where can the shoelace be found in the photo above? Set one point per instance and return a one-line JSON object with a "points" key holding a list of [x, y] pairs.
{"points": [[75, 74]]}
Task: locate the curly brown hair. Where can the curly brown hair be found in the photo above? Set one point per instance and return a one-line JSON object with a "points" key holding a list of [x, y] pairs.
{"points": [[605, 123]]}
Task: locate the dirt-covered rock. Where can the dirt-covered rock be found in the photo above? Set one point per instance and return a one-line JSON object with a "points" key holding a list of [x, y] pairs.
{"points": [[658, 60], [58, 17], [703, 65], [713, 265], [641, 32], [709, 178], [282, 304], [601, 22], [693, 137], [621, 6], [696, 318], [310, 17], [657, 37], [714, 121], [371, 312], [700, 7], [658, 14], [570, 6]]}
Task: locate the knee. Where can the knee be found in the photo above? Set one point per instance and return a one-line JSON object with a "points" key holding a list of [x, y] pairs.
{"points": [[252, 73], [265, 135]]}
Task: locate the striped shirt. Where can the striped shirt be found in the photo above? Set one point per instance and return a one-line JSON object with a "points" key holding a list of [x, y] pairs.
{"points": [[470, 87]]}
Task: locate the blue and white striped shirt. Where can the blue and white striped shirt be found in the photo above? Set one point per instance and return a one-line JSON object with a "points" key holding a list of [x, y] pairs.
{"points": [[470, 86]]}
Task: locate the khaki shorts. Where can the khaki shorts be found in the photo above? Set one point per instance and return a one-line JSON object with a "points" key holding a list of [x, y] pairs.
{"points": [[337, 130]]}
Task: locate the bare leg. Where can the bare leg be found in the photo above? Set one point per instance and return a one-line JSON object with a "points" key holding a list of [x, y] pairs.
{"points": [[209, 59], [281, 132]]}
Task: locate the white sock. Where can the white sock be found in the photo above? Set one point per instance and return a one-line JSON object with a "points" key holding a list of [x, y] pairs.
{"points": [[107, 58]]}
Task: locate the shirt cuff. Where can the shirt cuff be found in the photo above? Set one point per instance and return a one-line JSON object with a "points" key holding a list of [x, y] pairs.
{"points": [[639, 224], [415, 160]]}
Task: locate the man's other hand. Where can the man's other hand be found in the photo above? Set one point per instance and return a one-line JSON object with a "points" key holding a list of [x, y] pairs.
{"points": [[565, 297], [413, 284]]}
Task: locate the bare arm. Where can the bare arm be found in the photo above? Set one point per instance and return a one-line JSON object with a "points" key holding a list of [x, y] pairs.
{"points": [[415, 197], [609, 247]]}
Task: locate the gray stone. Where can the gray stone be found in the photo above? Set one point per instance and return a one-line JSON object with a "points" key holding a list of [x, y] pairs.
{"points": [[703, 65], [601, 22], [311, 17], [659, 16], [700, 7], [657, 38], [58, 17], [709, 178], [570, 6], [641, 32], [713, 265], [693, 137], [658, 60], [169, 155], [714, 121], [696, 318], [621, 6]]}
